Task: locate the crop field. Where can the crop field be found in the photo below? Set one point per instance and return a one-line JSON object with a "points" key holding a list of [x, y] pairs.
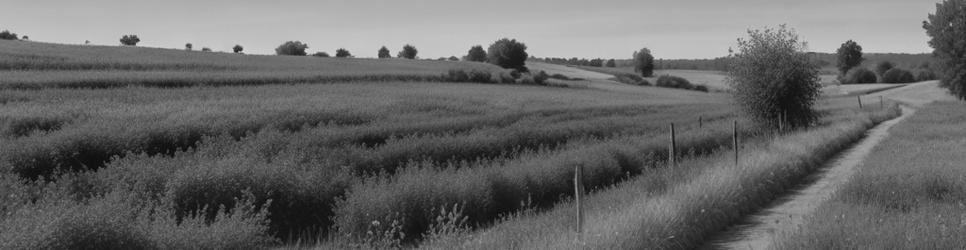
{"points": [[908, 194]]}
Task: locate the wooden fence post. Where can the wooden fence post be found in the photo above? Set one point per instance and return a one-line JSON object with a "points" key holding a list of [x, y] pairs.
{"points": [[858, 97], [700, 121], [735, 139], [672, 155], [578, 192], [881, 103]]}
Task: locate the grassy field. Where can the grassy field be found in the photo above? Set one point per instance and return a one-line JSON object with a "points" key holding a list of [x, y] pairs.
{"points": [[908, 194]]}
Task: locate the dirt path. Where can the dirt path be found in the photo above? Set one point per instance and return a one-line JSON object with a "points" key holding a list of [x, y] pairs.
{"points": [[788, 213]]}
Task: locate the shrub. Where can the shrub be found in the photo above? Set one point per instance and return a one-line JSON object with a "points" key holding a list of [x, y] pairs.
{"points": [[477, 76], [384, 53], [188, 46], [342, 53], [772, 75], [516, 74], [508, 54], [130, 40], [7, 35], [408, 52], [676, 82], [849, 56], [476, 54], [480, 76], [237, 49], [291, 48], [859, 76], [926, 75], [453, 58], [945, 29], [897, 75], [457, 75], [631, 79], [611, 63], [644, 62], [321, 54], [701, 88], [205, 49], [883, 67], [540, 78]]}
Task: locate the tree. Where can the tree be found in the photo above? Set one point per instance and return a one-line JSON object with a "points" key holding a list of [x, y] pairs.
{"points": [[384, 52], [291, 48], [476, 54], [508, 54], [237, 49], [188, 46], [454, 58], [773, 78], [321, 54], [130, 40], [644, 62], [342, 53], [205, 49], [25, 38], [408, 52], [7, 35], [849, 56], [883, 67], [946, 29], [859, 76], [611, 63]]}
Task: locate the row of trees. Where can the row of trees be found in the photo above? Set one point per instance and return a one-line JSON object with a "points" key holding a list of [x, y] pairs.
{"points": [[850, 57], [7, 35], [598, 62], [506, 53]]}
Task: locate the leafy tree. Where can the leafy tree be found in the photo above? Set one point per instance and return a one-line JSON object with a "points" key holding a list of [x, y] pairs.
{"points": [[611, 63], [946, 29], [130, 40], [7, 35], [291, 48], [849, 56], [384, 52], [772, 76], [882, 67], [476, 54], [859, 76], [342, 53], [237, 49], [408, 52], [897, 75], [508, 54], [321, 54], [454, 58], [188, 46], [644, 62], [25, 38], [205, 49]]}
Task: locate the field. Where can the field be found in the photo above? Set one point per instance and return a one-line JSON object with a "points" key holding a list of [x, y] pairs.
{"points": [[908, 193], [153, 148]]}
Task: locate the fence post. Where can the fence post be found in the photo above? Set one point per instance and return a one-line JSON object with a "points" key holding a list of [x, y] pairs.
{"points": [[881, 103], [858, 97], [700, 121], [735, 139], [672, 155], [578, 192]]}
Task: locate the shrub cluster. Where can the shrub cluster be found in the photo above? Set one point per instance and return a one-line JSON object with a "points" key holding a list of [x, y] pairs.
{"points": [[480, 76], [669, 81], [631, 79], [898, 75], [7, 35], [926, 75], [859, 76]]}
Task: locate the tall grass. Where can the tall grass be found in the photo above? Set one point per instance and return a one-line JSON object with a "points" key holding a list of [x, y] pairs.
{"points": [[907, 194]]}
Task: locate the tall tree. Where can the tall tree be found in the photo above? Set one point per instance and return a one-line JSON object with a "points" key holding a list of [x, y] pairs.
{"points": [[849, 56], [342, 53], [291, 48], [408, 52], [644, 62], [130, 40], [188, 46], [384, 52], [509, 54], [476, 54], [947, 28], [237, 49]]}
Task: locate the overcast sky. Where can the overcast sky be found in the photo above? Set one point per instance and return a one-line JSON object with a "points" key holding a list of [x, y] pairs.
{"points": [[551, 28]]}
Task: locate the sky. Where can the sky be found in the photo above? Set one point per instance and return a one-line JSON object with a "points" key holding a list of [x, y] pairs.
{"points": [[672, 29]]}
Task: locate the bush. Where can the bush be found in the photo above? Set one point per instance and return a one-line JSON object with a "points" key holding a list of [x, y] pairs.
{"points": [[130, 40], [321, 54], [508, 54], [611, 63], [188, 46], [669, 81], [237, 49], [540, 78], [476, 54], [897, 75], [453, 58], [342, 53], [384, 53], [926, 75], [946, 31], [7, 35], [701, 88], [859, 76], [849, 56], [477, 76], [631, 79], [644, 62], [408, 52], [291, 48], [205, 49], [772, 75], [883, 67]]}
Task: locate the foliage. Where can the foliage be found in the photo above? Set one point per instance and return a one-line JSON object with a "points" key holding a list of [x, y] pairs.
{"points": [[632, 79], [453, 58], [384, 53], [342, 53], [205, 49], [611, 63], [926, 75], [476, 54], [644, 62], [188, 46], [859, 76], [849, 56], [237, 49], [7, 35], [508, 54], [322, 54], [897, 75], [291, 48], [408, 52], [882, 67], [130, 40], [773, 77], [946, 31]]}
